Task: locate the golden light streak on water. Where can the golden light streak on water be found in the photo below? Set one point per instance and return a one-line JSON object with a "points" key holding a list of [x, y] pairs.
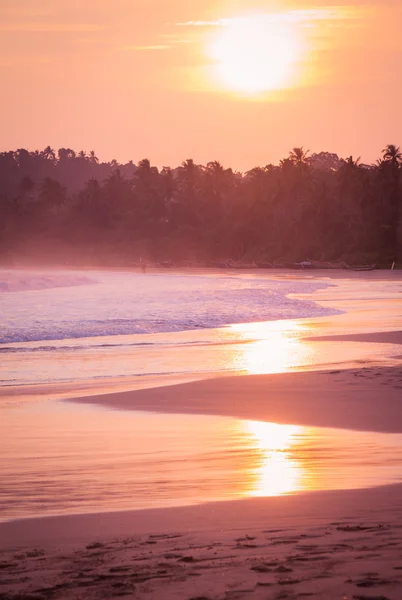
{"points": [[276, 473]]}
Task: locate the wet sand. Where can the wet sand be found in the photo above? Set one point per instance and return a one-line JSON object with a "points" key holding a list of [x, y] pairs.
{"points": [[367, 399], [380, 337], [329, 545]]}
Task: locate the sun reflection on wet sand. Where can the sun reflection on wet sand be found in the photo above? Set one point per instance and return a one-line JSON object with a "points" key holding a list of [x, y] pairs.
{"points": [[286, 459], [277, 347], [276, 472], [64, 458], [281, 346]]}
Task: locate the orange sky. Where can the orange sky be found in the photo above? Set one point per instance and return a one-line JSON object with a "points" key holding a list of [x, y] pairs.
{"points": [[139, 78]]}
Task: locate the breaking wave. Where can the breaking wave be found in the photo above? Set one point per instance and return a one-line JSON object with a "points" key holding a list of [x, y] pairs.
{"points": [[129, 303], [22, 281]]}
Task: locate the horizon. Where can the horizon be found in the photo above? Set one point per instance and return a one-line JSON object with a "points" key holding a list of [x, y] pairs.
{"points": [[239, 83], [323, 160]]}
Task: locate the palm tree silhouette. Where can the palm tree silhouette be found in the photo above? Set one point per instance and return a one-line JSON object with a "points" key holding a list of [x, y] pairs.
{"points": [[299, 156], [49, 153], [392, 154], [93, 158]]}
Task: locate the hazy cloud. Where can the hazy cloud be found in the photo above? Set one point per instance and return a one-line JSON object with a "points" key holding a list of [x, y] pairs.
{"points": [[290, 16], [217, 23], [141, 48]]}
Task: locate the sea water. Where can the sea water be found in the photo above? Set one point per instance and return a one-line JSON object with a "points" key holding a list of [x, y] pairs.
{"points": [[64, 458], [78, 333], [97, 327]]}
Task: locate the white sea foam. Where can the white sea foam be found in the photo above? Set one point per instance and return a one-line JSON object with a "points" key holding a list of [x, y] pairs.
{"points": [[25, 281], [68, 306]]}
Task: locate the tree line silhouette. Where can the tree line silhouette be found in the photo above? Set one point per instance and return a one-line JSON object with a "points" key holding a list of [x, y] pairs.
{"points": [[68, 207]]}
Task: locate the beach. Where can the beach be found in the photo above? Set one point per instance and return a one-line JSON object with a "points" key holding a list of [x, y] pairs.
{"points": [[346, 399], [200, 300], [341, 544], [336, 543]]}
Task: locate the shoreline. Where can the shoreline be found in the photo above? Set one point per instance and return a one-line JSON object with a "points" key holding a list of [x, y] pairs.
{"points": [[377, 273], [67, 390], [376, 337], [311, 506], [351, 398], [320, 544]]}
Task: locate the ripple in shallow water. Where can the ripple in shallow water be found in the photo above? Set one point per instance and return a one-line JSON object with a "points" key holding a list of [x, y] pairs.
{"points": [[61, 458]]}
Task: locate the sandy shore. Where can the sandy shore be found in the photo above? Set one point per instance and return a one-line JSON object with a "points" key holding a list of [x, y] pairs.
{"points": [[338, 545], [381, 337], [329, 545], [367, 399]]}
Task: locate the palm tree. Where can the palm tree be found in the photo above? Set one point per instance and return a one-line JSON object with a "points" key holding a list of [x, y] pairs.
{"points": [[189, 169], [49, 154], [145, 172], [144, 166], [351, 162], [189, 174], [255, 173], [188, 192], [23, 157], [390, 170], [168, 181], [66, 154], [286, 164], [93, 158], [298, 156], [168, 190], [392, 154], [215, 168]]}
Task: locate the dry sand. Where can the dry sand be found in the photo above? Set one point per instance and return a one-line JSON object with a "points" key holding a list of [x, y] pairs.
{"points": [[334, 545], [328, 545]]}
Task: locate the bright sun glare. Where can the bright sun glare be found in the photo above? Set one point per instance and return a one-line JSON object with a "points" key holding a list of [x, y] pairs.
{"points": [[277, 473], [254, 54]]}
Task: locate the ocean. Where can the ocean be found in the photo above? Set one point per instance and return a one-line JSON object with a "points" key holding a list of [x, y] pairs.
{"points": [[114, 327], [67, 333]]}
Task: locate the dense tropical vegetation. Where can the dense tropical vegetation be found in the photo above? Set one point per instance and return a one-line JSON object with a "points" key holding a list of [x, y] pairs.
{"points": [[68, 207]]}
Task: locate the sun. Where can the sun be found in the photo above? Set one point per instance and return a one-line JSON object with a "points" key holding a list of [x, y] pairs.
{"points": [[254, 54]]}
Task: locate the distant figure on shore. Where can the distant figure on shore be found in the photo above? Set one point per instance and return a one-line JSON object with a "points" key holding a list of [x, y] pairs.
{"points": [[143, 265]]}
